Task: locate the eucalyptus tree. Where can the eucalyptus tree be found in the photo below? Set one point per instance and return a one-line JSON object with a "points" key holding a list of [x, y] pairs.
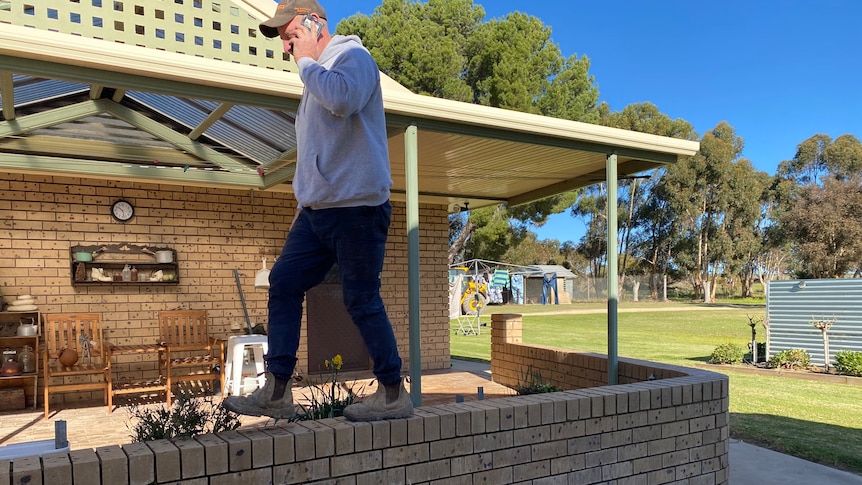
{"points": [[656, 240], [819, 157], [701, 193], [824, 225], [636, 194], [739, 236], [818, 208], [641, 222]]}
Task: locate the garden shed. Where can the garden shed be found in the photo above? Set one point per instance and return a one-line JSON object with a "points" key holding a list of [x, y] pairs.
{"points": [[549, 284], [793, 306]]}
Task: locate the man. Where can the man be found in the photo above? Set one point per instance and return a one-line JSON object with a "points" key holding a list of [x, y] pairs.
{"points": [[342, 188]]}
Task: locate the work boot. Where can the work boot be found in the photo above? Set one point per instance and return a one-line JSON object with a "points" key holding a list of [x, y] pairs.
{"points": [[388, 402], [274, 399]]}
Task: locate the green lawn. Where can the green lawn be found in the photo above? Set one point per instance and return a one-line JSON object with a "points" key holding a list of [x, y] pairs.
{"points": [[815, 421]]}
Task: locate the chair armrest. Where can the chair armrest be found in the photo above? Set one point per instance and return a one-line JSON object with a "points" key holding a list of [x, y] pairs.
{"points": [[220, 342]]}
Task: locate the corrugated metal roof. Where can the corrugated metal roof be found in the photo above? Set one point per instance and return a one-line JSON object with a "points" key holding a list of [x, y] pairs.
{"points": [[236, 131], [561, 271], [29, 90]]}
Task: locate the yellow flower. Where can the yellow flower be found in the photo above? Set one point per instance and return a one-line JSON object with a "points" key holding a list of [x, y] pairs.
{"points": [[326, 363], [337, 362]]}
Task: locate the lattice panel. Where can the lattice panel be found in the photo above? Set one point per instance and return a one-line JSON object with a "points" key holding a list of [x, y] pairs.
{"points": [[213, 29]]}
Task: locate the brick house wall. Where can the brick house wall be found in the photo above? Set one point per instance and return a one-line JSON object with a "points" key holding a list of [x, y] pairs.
{"points": [[213, 231]]}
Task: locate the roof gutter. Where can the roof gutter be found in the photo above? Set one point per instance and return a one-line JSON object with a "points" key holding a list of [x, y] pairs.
{"points": [[460, 114]]}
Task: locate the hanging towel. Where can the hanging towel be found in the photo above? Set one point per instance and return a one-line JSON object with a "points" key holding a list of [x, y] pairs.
{"points": [[500, 278], [455, 296], [518, 289]]}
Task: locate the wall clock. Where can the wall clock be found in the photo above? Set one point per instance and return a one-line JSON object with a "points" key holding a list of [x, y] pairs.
{"points": [[122, 210]]}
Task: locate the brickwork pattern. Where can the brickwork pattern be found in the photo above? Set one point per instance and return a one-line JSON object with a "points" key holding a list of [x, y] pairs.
{"points": [[657, 409], [560, 367], [213, 232], [672, 430]]}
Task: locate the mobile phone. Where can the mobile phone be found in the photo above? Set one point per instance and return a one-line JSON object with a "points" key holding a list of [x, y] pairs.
{"points": [[309, 22]]}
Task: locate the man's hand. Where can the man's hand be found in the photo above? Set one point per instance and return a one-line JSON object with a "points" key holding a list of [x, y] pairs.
{"points": [[304, 43]]}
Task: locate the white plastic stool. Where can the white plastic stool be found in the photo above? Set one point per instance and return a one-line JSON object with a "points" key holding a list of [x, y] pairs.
{"points": [[236, 346]]}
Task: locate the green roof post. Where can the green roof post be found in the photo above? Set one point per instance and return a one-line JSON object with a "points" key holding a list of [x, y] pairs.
{"points": [[411, 171], [613, 279]]}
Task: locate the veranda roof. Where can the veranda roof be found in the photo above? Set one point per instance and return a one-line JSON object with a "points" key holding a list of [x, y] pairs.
{"points": [[146, 96]]}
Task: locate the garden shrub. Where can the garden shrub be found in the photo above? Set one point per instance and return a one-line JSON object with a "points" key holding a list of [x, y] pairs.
{"points": [[187, 417], [531, 383], [791, 359], [728, 353], [849, 362]]}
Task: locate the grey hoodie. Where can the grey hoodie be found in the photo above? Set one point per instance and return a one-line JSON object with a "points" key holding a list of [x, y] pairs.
{"points": [[342, 150]]}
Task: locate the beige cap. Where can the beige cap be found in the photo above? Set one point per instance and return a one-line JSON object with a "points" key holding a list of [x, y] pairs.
{"points": [[286, 11]]}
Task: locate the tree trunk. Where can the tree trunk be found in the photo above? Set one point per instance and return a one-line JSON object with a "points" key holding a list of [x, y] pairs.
{"points": [[747, 279], [825, 350], [653, 277], [760, 278], [698, 275], [714, 286], [703, 258], [746, 287], [458, 244], [636, 285], [627, 230]]}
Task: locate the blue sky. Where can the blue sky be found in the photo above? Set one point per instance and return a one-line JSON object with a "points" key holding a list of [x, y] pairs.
{"points": [[777, 71]]}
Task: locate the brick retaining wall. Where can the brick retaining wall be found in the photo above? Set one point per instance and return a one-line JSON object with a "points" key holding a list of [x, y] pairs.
{"points": [[673, 429], [661, 424]]}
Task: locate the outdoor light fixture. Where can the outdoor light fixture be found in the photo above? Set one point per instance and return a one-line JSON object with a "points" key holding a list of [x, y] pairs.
{"points": [[461, 208]]}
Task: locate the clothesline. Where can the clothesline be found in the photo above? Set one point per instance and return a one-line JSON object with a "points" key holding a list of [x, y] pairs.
{"points": [[474, 264]]}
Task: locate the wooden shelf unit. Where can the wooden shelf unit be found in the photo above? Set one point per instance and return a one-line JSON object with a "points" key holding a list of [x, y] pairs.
{"points": [[114, 257], [9, 322]]}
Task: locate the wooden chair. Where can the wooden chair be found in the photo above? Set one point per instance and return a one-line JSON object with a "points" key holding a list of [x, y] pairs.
{"points": [[81, 332], [190, 354]]}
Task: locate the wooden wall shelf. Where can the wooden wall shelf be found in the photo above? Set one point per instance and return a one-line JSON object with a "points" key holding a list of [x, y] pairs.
{"points": [[111, 259]]}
